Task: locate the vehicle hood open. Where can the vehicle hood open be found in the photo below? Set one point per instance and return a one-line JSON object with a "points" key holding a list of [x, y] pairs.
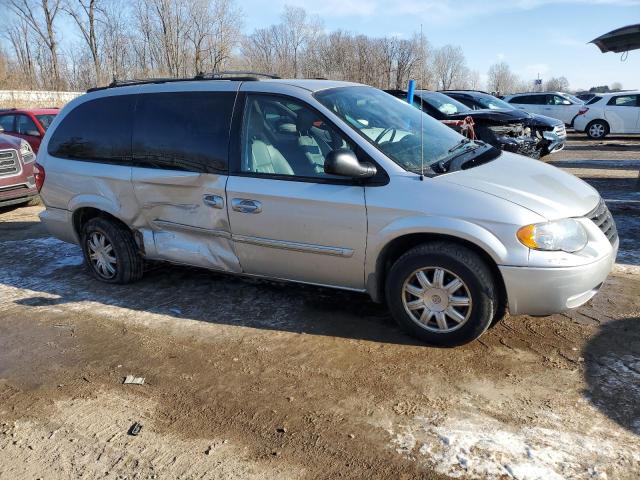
{"points": [[541, 188], [490, 115]]}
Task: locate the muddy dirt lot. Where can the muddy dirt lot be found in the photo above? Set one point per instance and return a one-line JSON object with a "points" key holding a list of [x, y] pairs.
{"points": [[248, 379]]}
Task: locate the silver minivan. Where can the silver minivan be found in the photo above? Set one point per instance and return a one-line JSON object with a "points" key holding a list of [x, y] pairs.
{"points": [[326, 183]]}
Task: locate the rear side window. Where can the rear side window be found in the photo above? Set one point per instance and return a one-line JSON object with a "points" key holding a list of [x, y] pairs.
{"points": [[183, 131], [624, 101], [98, 130]]}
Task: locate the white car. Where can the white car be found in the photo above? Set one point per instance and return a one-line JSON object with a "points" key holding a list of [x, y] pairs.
{"points": [[610, 113], [562, 106]]}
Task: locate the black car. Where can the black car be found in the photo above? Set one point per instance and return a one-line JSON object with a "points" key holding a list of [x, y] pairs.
{"points": [[504, 129], [550, 132]]}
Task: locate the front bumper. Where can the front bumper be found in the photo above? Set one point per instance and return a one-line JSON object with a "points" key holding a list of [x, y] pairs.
{"points": [[17, 194], [545, 291]]}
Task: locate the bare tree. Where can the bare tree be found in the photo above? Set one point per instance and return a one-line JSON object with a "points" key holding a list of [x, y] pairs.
{"points": [[84, 13], [40, 16], [616, 86], [556, 84], [501, 80], [19, 35], [449, 66]]}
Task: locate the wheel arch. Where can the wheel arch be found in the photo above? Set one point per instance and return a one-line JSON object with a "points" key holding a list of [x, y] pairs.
{"points": [[82, 215], [401, 244]]}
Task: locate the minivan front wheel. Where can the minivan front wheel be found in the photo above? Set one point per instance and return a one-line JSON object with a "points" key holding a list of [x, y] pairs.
{"points": [[442, 293], [110, 251]]}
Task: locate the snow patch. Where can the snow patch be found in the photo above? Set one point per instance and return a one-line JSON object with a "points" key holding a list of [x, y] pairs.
{"points": [[480, 447]]}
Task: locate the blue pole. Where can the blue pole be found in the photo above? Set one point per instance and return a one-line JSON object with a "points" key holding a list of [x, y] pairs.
{"points": [[410, 91]]}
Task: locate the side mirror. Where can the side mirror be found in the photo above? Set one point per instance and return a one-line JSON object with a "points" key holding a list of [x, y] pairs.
{"points": [[32, 133], [344, 162]]}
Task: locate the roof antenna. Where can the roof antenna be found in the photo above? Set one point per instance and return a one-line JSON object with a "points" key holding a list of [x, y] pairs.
{"points": [[422, 64]]}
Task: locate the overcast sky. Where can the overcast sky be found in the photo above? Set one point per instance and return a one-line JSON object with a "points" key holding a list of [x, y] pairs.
{"points": [[534, 36]]}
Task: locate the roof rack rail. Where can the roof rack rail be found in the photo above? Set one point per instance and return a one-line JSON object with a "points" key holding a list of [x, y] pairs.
{"points": [[234, 73], [230, 75]]}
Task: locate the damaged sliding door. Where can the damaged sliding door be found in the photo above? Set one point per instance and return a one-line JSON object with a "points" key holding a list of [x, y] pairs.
{"points": [[180, 142]]}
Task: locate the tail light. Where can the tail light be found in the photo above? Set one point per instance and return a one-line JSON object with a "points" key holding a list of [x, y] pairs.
{"points": [[583, 110], [38, 173]]}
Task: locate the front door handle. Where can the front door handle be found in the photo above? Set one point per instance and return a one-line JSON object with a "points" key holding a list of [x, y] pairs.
{"points": [[215, 201], [245, 205]]}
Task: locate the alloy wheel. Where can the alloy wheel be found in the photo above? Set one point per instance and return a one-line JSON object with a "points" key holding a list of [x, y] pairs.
{"points": [[101, 255], [437, 299], [597, 130]]}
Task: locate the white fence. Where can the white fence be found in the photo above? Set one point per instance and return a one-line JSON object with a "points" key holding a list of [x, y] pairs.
{"points": [[33, 98]]}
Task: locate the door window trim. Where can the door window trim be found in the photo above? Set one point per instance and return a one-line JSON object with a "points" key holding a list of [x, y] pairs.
{"points": [[235, 148]]}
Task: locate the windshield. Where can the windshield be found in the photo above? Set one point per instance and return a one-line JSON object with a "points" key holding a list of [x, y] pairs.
{"points": [[393, 126], [442, 102], [45, 120], [493, 103]]}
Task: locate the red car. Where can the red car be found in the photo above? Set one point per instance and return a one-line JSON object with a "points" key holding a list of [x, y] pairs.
{"points": [[28, 123], [18, 178]]}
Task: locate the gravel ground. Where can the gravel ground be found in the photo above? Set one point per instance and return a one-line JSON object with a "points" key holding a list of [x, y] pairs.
{"points": [[251, 379]]}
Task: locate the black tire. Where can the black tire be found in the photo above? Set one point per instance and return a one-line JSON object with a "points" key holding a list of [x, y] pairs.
{"points": [[129, 265], [459, 261], [604, 128]]}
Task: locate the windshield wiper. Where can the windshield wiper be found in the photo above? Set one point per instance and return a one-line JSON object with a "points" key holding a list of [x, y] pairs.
{"points": [[460, 144]]}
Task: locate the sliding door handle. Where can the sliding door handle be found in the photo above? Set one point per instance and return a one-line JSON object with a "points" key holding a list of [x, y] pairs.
{"points": [[245, 205]]}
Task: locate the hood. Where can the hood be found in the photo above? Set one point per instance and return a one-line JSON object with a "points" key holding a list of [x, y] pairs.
{"points": [[7, 141], [541, 188], [497, 116], [543, 121]]}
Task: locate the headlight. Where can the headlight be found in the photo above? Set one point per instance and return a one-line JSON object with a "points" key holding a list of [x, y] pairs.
{"points": [[26, 153], [567, 235]]}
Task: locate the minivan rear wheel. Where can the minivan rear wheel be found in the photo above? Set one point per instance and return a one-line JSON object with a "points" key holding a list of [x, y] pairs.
{"points": [[110, 251], [442, 293]]}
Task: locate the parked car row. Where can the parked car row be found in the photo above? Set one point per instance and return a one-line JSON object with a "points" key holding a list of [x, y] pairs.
{"points": [[21, 132], [495, 121], [598, 115]]}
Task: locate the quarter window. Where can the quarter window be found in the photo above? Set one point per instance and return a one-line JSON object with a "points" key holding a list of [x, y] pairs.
{"points": [[281, 136], [96, 130], [624, 101], [183, 131]]}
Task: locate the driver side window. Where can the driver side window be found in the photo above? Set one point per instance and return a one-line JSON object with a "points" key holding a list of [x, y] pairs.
{"points": [[281, 136]]}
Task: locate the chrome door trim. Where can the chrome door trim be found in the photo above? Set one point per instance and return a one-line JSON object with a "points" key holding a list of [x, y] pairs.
{"points": [[191, 228], [295, 246]]}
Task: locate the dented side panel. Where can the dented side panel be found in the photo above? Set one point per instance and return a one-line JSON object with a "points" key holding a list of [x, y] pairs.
{"points": [[183, 216]]}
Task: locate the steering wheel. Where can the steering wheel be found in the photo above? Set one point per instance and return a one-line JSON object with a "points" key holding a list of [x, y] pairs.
{"points": [[384, 132]]}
